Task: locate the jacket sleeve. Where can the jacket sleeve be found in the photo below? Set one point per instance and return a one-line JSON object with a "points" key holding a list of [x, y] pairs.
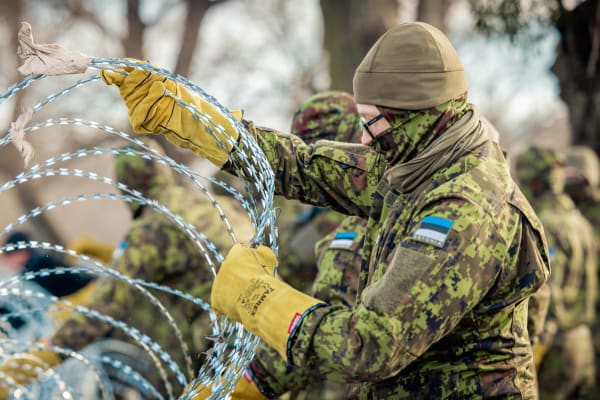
{"points": [[274, 376], [339, 176], [419, 294]]}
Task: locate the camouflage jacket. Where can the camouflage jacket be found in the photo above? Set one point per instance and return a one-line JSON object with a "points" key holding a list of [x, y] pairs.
{"points": [[449, 268]]}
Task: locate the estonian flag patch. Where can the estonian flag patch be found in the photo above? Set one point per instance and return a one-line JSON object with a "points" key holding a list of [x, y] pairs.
{"points": [[433, 230], [342, 240]]}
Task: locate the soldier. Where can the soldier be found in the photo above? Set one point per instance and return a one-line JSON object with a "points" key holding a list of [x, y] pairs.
{"points": [[567, 368], [155, 249], [75, 288], [583, 177], [453, 249], [32, 260]]}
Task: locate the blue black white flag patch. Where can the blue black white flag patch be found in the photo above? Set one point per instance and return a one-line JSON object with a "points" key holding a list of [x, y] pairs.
{"points": [[343, 240], [120, 249], [433, 230]]}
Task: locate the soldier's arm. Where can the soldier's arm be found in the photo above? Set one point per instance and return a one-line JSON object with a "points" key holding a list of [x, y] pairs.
{"points": [[274, 376], [145, 256], [423, 294], [328, 174]]}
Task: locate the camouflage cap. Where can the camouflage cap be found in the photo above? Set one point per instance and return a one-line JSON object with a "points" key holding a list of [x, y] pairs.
{"points": [[330, 115], [536, 163], [146, 175], [585, 161], [412, 66]]}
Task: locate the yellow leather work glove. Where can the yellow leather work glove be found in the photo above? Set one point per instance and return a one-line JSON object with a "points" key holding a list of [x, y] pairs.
{"points": [[94, 248], [246, 291], [245, 389], [151, 110], [24, 368]]}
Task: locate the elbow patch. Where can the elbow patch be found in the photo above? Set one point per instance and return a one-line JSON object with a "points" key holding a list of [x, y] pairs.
{"points": [[406, 268]]}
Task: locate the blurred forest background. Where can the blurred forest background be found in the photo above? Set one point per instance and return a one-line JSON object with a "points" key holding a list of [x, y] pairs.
{"points": [[532, 67]]}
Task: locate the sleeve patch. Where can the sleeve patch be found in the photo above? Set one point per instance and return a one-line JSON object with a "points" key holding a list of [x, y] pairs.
{"points": [[551, 253], [433, 230], [120, 249], [343, 240]]}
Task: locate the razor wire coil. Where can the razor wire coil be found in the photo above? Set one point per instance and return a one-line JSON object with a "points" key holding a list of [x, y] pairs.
{"points": [[227, 358]]}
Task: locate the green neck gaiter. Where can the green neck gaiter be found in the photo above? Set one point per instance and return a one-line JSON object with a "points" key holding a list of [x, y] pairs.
{"points": [[412, 131]]}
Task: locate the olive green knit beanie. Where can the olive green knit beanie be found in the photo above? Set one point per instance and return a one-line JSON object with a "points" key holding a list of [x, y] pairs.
{"points": [[411, 67]]}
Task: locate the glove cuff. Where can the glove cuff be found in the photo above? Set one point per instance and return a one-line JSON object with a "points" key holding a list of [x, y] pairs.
{"points": [[280, 314]]}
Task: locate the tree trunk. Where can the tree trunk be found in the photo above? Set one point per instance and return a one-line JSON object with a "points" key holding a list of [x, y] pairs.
{"points": [[351, 28], [576, 66], [133, 43], [189, 39], [433, 12]]}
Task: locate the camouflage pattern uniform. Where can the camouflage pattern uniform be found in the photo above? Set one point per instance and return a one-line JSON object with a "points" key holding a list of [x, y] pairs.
{"points": [[582, 182], [452, 253], [155, 249], [336, 257], [567, 369]]}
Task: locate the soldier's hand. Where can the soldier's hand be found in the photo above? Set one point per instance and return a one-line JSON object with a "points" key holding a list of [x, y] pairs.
{"points": [[246, 291], [152, 109]]}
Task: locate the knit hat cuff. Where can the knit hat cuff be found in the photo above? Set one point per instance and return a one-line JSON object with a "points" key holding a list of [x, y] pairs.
{"points": [[408, 90]]}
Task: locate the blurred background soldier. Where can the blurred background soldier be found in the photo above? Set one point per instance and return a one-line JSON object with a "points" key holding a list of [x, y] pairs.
{"points": [[155, 249], [19, 260], [23, 260], [325, 116], [567, 367], [582, 181]]}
